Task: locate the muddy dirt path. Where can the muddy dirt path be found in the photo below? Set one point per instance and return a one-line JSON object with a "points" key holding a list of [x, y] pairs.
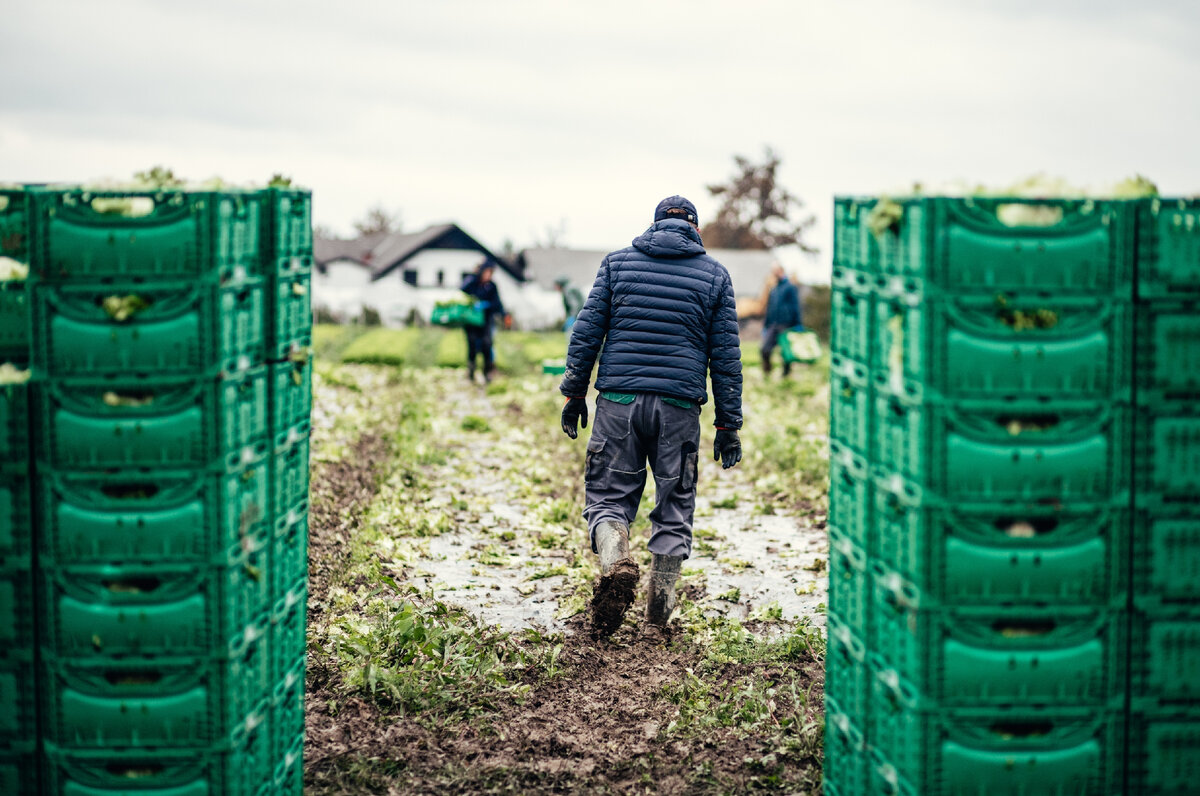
{"points": [[747, 560], [489, 521]]}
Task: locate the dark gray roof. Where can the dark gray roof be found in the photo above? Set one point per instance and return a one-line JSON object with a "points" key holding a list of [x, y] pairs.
{"points": [[748, 268], [383, 252]]}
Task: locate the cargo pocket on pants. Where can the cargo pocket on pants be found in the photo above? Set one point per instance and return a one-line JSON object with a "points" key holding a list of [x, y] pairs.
{"points": [[687, 469], [595, 462]]}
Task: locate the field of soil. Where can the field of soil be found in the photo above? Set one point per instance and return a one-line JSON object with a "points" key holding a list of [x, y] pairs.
{"points": [[450, 574]]}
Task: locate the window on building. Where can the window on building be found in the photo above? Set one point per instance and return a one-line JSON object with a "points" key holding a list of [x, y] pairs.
{"points": [[441, 278], [410, 276]]}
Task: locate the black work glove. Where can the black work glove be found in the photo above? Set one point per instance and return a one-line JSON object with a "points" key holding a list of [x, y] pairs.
{"points": [[727, 448], [574, 411]]}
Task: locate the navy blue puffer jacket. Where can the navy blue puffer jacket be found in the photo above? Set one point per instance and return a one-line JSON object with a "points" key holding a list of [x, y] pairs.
{"points": [[664, 312]]}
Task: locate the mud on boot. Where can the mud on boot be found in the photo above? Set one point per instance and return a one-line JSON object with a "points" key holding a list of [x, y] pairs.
{"points": [[660, 599], [618, 578]]}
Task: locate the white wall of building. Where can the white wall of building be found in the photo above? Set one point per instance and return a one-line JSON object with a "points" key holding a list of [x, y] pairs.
{"points": [[346, 287]]}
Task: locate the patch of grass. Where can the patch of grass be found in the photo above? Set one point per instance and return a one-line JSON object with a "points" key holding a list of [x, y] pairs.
{"points": [[330, 339], [730, 502], [420, 655], [383, 347], [475, 423]]}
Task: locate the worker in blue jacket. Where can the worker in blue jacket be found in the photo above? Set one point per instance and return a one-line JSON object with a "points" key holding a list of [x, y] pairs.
{"points": [[783, 313], [661, 318], [479, 338]]}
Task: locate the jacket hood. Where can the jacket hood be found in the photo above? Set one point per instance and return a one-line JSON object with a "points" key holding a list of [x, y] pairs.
{"points": [[670, 237]]}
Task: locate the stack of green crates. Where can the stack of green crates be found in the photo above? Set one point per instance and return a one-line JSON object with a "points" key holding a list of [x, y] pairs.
{"points": [[18, 729], [1164, 750], [160, 555], [979, 527], [287, 247]]}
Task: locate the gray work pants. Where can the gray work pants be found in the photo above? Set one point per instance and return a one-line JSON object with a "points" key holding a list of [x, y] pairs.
{"points": [[624, 438]]}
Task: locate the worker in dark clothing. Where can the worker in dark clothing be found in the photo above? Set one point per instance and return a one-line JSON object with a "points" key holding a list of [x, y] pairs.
{"points": [[783, 313], [663, 312], [572, 301], [479, 338]]}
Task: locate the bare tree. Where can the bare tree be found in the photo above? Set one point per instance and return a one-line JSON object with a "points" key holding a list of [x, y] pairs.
{"points": [[756, 212], [378, 219]]}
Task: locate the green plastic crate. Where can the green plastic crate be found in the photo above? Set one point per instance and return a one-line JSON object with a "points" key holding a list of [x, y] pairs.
{"points": [[156, 702], [977, 244], [14, 224], [851, 408], [289, 550], [16, 605], [14, 423], [289, 771], [18, 699], [1169, 248], [920, 749], [287, 714], [14, 321], [456, 315], [153, 422], [850, 592], [1166, 442], [847, 677], [1032, 553], [852, 314], [151, 517], [110, 611], [850, 490], [1168, 352], [850, 496], [19, 772], [1166, 553], [1002, 655], [291, 394], [79, 234], [185, 329], [16, 510], [852, 236], [1165, 654], [1003, 450], [239, 767], [288, 222], [1164, 752], [846, 751], [289, 319], [1003, 345], [290, 469]]}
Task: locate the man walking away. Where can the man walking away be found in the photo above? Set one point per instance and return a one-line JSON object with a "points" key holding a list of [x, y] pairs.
{"points": [[479, 338], [783, 313], [663, 311]]}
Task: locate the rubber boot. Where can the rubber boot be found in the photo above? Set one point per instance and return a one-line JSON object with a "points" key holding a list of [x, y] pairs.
{"points": [[766, 365], [618, 578], [471, 369], [660, 601]]}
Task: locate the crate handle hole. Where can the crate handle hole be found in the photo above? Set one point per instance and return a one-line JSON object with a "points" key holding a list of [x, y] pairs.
{"points": [[1022, 729], [1013, 214], [126, 771], [1023, 628], [133, 678], [1026, 528], [130, 491], [1016, 425], [141, 585], [123, 206], [134, 398]]}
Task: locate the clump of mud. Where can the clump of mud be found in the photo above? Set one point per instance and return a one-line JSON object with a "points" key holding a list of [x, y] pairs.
{"points": [[612, 598]]}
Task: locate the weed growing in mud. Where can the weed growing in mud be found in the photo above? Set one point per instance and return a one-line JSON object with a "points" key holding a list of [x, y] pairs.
{"points": [[417, 655]]}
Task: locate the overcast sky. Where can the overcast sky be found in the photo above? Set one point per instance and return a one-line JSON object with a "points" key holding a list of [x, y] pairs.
{"points": [[514, 117]]}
